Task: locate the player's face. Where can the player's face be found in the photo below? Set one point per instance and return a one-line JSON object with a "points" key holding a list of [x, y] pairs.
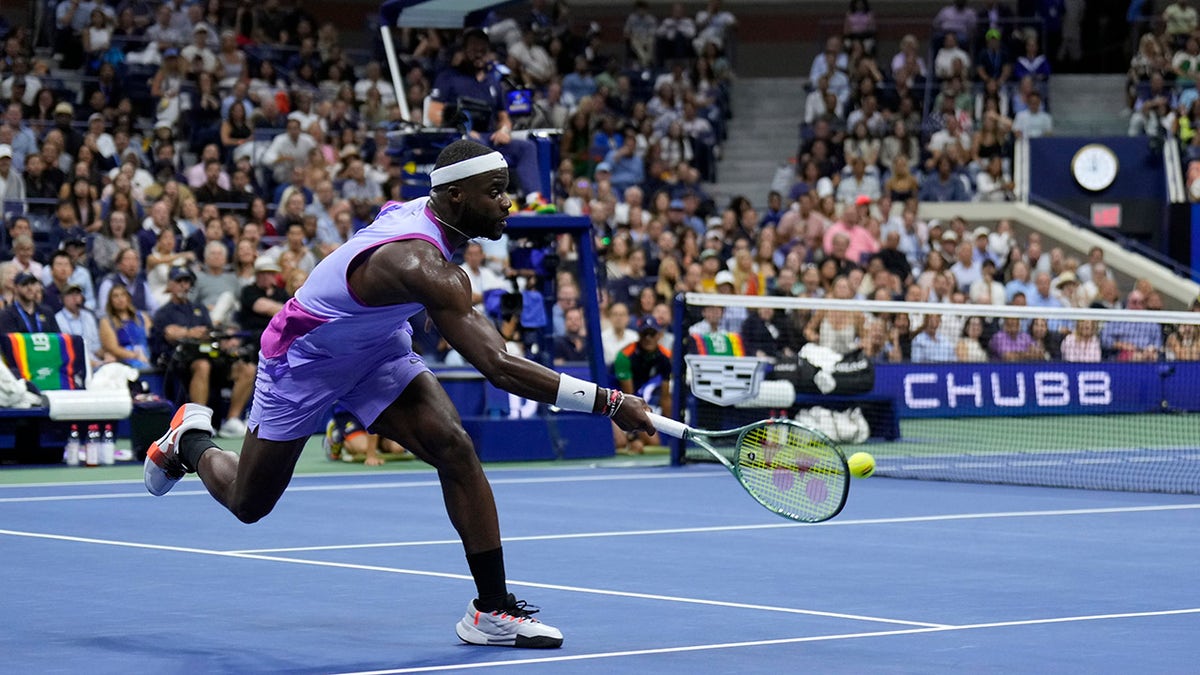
{"points": [[486, 205]]}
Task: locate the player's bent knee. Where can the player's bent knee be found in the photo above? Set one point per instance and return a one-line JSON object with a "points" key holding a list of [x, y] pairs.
{"points": [[454, 449], [250, 512]]}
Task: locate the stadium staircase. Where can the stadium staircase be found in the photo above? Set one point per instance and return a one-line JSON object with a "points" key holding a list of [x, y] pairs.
{"points": [[763, 134]]}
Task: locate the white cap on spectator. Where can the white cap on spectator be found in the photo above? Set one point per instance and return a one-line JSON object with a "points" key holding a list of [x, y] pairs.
{"points": [[949, 235], [266, 263], [980, 232], [724, 277], [713, 221], [5, 150], [1067, 277], [824, 187], [200, 27], [297, 116]]}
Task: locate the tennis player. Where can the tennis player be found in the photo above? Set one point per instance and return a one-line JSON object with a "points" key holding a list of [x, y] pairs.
{"points": [[345, 338]]}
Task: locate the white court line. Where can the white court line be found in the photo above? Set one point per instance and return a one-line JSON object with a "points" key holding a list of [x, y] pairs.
{"points": [[780, 641], [760, 526], [465, 577], [141, 493]]}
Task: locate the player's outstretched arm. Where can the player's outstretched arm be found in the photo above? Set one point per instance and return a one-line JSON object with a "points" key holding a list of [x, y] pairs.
{"points": [[445, 292]]}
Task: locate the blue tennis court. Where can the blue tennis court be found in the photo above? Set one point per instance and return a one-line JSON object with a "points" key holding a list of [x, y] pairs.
{"points": [[646, 569]]}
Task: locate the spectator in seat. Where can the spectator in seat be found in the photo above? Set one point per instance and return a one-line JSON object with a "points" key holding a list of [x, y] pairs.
{"points": [[1179, 21], [1154, 109], [1082, 345], [1183, 344], [23, 251], [1034, 122], [12, 184], [261, 300], [570, 346], [908, 65], [944, 186], [124, 330], [951, 60], [675, 34], [58, 274], [1033, 63], [1130, 341], [127, 272], [768, 333], [956, 18], [75, 319], [27, 314], [617, 334], [860, 182], [640, 29], [993, 63], [635, 366], [993, 184], [216, 287], [928, 346], [482, 278], [288, 150], [1013, 344], [969, 349]]}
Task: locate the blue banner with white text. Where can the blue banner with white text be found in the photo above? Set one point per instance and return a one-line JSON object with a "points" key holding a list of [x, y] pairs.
{"points": [[991, 389]]}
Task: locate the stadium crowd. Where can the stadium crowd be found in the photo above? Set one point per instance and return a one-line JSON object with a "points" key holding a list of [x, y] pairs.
{"points": [[182, 167]]}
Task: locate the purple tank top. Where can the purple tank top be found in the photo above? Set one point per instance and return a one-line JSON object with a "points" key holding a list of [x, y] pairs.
{"points": [[325, 319]]}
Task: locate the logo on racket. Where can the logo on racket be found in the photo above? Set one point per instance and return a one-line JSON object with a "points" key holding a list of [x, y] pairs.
{"points": [[579, 393]]}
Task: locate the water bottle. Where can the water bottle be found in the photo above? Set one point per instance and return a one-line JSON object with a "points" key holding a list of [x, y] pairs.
{"points": [[108, 446], [71, 452], [92, 449]]}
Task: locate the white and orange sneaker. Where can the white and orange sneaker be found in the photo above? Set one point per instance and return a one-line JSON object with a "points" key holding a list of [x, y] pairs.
{"points": [[513, 626], [163, 467]]}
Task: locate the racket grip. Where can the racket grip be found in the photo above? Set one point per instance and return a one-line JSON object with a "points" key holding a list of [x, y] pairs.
{"points": [[668, 426]]}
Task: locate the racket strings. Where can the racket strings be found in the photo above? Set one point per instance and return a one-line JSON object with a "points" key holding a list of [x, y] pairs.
{"points": [[792, 470]]}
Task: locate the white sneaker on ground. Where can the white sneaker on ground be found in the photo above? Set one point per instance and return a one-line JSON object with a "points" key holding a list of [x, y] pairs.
{"points": [[232, 428], [513, 626], [163, 468]]}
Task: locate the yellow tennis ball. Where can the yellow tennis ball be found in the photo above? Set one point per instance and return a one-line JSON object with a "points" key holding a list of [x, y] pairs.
{"points": [[861, 464]]}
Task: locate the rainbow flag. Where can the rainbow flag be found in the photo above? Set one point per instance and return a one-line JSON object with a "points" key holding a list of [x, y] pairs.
{"points": [[718, 344], [52, 361]]}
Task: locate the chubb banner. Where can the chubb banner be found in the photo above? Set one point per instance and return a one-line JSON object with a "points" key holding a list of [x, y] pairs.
{"points": [[951, 390]]}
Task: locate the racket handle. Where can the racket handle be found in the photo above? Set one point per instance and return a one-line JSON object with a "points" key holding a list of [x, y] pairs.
{"points": [[669, 426]]}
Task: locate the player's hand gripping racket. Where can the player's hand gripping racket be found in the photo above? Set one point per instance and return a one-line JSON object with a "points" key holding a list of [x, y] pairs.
{"points": [[792, 470]]}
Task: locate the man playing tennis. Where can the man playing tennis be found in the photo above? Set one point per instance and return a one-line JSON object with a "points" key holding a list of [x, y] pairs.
{"points": [[345, 337]]}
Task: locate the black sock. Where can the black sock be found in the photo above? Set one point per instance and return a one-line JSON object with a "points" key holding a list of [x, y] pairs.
{"points": [[193, 444], [487, 567]]}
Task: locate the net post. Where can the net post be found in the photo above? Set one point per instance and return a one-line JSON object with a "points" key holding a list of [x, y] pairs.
{"points": [[679, 329]]}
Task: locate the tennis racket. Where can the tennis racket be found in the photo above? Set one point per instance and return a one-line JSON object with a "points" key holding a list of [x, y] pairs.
{"points": [[787, 467]]}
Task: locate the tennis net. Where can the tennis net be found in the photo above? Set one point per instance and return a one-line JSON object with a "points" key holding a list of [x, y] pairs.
{"points": [[1079, 398]]}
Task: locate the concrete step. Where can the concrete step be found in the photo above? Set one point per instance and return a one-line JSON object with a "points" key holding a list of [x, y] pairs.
{"points": [[764, 131]]}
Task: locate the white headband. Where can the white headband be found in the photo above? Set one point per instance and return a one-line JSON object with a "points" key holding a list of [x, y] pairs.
{"points": [[467, 168]]}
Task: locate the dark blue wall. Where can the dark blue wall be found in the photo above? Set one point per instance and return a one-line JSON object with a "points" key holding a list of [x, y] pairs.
{"points": [[1140, 187]]}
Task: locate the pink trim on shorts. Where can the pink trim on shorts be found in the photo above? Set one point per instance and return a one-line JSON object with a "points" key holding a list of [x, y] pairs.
{"points": [[292, 322]]}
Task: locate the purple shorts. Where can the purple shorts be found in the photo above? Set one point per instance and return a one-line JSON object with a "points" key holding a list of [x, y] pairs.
{"points": [[293, 402]]}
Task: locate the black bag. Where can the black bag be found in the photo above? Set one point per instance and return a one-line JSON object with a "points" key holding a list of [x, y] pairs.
{"points": [[854, 374]]}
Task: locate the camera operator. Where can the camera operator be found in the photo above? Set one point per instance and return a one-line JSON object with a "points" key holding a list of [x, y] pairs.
{"points": [[183, 343]]}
